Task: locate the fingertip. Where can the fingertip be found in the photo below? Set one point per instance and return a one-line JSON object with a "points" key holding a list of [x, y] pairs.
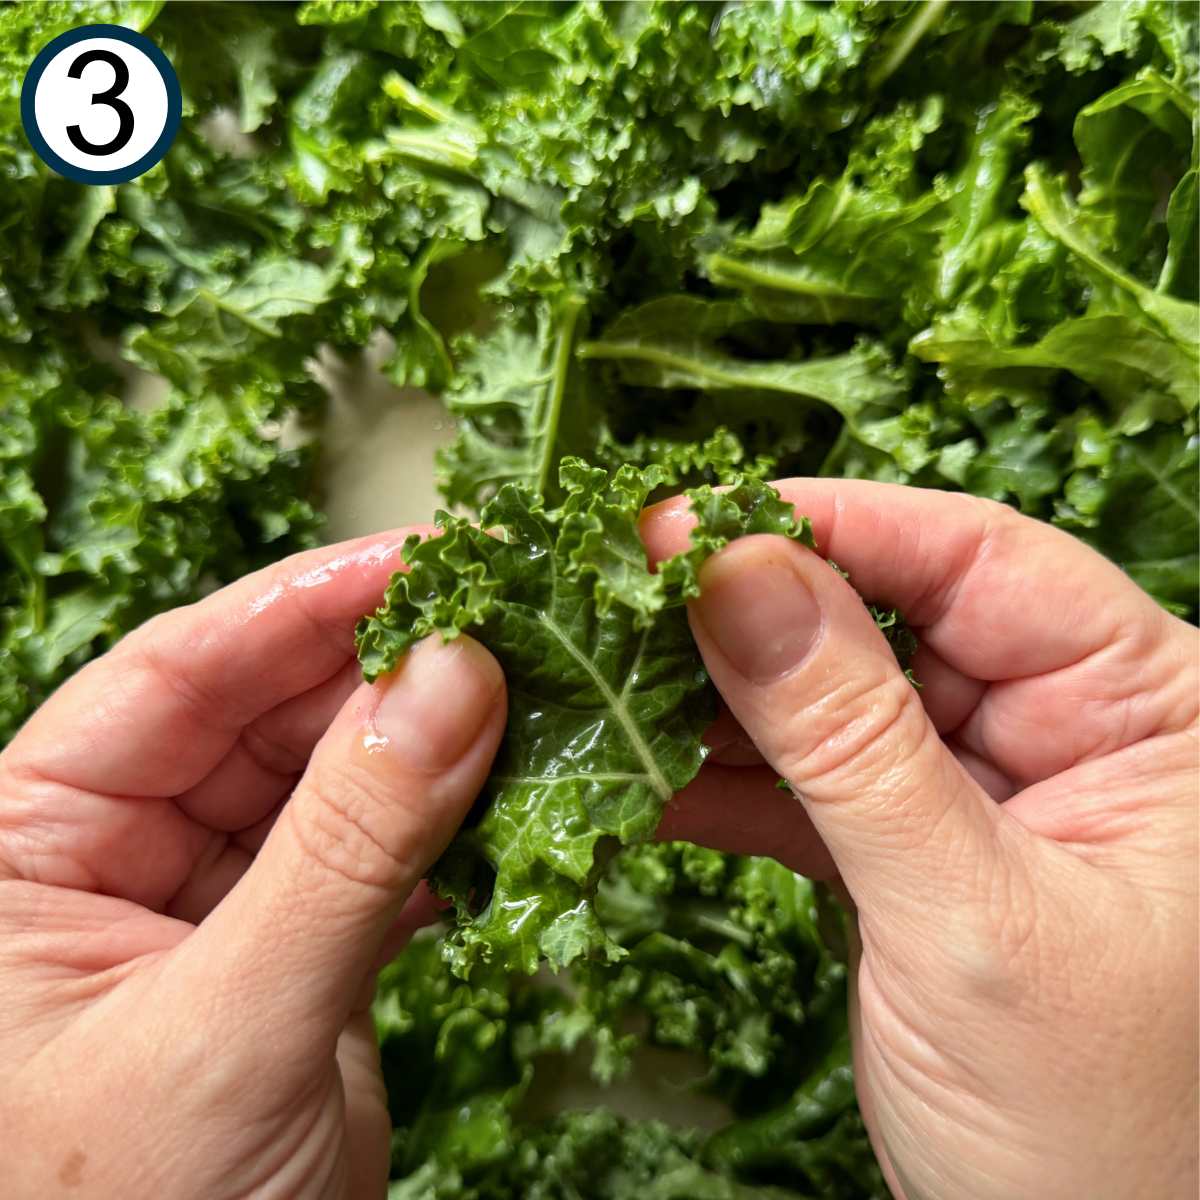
{"points": [[483, 662], [476, 663], [757, 608], [462, 656], [437, 702], [755, 552], [666, 528]]}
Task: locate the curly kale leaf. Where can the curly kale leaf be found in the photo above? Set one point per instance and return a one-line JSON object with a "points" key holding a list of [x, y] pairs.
{"points": [[1137, 500], [109, 515], [607, 696], [509, 400]]}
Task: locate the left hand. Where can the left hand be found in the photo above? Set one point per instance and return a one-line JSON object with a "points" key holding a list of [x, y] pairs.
{"points": [[207, 839]]}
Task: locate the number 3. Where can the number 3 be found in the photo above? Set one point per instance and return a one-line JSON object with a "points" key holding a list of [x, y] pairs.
{"points": [[111, 98]]}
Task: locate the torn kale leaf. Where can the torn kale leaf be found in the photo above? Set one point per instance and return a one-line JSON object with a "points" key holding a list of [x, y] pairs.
{"points": [[607, 695]]}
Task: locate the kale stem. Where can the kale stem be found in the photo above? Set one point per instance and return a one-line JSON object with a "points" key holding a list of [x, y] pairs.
{"points": [[925, 18], [410, 96], [560, 369]]}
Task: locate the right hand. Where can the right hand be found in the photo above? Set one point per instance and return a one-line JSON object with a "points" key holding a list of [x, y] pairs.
{"points": [[1019, 837]]}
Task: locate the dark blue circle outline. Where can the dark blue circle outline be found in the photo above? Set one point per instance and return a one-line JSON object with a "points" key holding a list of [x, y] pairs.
{"points": [[139, 41]]}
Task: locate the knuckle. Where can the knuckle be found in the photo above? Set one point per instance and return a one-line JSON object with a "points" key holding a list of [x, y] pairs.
{"points": [[861, 730], [159, 650], [345, 823], [993, 524], [149, 641], [151, 630], [995, 514], [327, 629]]}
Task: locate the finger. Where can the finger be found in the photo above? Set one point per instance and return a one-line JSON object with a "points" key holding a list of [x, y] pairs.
{"points": [[136, 848], [949, 698], [729, 744], [368, 1123], [742, 810], [230, 857], [1133, 813], [214, 876], [384, 791], [159, 711], [989, 777], [65, 933], [948, 695], [1141, 686], [798, 659], [265, 762], [164, 853], [217, 869], [957, 567]]}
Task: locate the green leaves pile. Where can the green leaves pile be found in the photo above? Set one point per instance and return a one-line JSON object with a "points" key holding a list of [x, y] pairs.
{"points": [[725, 964], [947, 244]]}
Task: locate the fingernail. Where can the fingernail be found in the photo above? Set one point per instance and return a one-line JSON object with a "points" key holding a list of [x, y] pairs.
{"points": [[757, 608], [436, 703]]}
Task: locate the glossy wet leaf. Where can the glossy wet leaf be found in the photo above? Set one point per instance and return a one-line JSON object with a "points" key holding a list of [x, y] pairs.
{"points": [[607, 695]]}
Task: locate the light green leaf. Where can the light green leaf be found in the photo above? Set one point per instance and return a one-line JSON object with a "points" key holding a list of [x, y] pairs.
{"points": [[1046, 199], [509, 399]]}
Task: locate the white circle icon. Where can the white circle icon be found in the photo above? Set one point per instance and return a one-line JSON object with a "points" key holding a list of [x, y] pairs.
{"points": [[101, 104]]}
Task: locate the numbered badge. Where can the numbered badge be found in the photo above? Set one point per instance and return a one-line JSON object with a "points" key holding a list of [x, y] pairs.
{"points": [[101, 104]]}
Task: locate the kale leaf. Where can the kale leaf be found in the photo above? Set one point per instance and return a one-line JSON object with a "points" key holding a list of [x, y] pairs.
{"points": [[607, 696]]}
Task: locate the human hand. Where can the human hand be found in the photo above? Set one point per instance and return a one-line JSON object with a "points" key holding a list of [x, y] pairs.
{"points": [[207, 838], [1019, 837]]}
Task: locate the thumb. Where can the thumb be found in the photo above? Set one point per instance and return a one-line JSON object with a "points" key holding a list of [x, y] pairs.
{"points": [[384, 791], [797, 657]]}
